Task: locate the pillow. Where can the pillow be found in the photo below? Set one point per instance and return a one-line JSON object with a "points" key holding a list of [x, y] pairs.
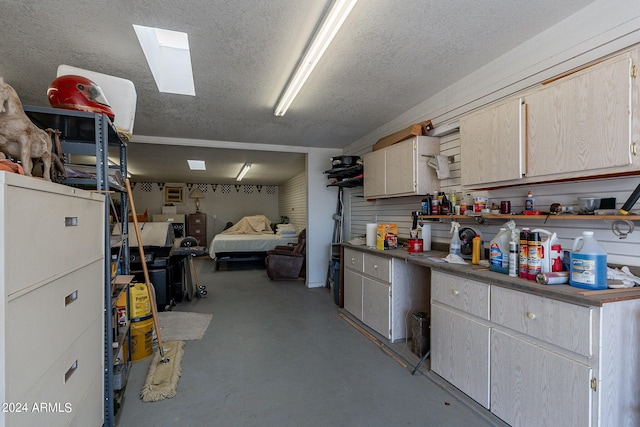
{"points": [[287, 229]]}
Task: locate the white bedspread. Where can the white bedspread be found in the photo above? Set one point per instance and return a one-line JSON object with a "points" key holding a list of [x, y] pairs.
{"points": [[247, 243]]}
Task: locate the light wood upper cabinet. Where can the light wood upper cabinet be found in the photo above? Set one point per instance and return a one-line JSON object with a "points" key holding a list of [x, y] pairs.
{"points": [[401, 169], [585, 124], [581, 122], [492, 144]]}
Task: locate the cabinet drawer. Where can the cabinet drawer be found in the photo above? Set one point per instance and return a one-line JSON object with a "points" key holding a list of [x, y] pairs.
{"points": [[467, 295], [67, 381], [565, 325], [377, 267], [35, 235], [354, 260], [44, 323]]}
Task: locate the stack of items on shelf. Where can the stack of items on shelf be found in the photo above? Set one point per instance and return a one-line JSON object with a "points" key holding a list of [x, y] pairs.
{"points": [[346, 171]]}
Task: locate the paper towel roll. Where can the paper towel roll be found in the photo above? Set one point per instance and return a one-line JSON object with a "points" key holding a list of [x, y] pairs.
{"points": [[426, 237], [372, 229]]}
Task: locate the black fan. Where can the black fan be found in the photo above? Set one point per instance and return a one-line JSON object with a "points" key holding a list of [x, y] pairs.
{"points": [[466, 240]]}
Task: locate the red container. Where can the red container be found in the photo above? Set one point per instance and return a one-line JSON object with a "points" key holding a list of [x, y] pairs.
{"points": [[415, 245]]}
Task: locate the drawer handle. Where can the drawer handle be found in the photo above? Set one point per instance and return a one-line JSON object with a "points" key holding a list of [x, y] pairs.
{"points": [[71, 298], [353, 261], [455, 292], [531, 315], [375, 267], [70, 371], [70, 221]]}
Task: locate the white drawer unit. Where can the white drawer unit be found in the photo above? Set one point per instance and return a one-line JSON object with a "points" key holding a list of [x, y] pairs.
{"points": [[568, 326], [533, 360], [52, 290], [382, 291]]}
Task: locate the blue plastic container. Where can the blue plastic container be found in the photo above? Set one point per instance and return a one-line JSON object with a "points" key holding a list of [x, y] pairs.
{"points": [[588, 263]]}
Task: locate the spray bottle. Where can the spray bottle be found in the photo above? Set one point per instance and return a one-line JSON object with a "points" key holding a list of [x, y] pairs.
{"points": [[454, 246]]}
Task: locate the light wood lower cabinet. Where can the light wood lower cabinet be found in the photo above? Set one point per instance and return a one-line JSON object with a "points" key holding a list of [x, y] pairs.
{"points": [[382, 292], [537, 361]]}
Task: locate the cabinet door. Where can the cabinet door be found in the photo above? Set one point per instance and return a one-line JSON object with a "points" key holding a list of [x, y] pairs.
{"points": [[353, 293], [492, 144], [531, 386], [460, 352], [374, 174], [581, 122], [376, 306], [400, 168]]}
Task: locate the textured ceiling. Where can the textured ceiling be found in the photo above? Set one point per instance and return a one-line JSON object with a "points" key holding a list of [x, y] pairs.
{"points": [[388, 57]]}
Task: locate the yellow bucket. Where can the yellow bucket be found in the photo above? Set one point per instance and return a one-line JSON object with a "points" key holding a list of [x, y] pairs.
{"points": [[139, 304], [141, 338]]}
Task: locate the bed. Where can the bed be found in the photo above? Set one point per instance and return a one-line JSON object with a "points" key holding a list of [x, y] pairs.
{"points": [[249, 240]]}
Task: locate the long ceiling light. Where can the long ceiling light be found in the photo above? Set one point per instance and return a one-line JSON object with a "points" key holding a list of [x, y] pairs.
{"points": [[339, 11], [243, 171]]}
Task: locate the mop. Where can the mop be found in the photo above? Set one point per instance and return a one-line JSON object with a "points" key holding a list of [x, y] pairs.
{"points": [[165, 369]]}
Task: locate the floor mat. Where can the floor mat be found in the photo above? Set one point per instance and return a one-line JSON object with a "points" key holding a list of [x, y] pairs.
{"points": [[183, 325]]}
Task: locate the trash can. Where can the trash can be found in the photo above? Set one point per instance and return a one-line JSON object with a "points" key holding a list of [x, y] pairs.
{"points": [[420, 325]]}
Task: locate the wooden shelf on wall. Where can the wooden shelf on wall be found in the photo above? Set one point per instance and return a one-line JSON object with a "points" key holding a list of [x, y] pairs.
{"points": [[536, 217]]}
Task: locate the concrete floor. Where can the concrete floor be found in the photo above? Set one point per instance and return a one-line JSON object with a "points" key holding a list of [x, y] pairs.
{"points": [[278, 354]]}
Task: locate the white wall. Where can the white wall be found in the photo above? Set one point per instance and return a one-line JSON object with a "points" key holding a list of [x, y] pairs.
{"points": [[601, 29], [224, 204], [321, 206]]}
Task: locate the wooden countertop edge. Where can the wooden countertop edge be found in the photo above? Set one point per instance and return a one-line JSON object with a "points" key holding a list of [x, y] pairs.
{"points": [[565, 293]]}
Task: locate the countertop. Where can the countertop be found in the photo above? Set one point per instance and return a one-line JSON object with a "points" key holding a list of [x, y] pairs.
{"points": [[566, 293]]}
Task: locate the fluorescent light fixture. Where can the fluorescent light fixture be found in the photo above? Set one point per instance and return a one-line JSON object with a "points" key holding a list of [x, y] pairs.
{"points": [[197, 165], [243, 171], [339, 11], [167, 53]]}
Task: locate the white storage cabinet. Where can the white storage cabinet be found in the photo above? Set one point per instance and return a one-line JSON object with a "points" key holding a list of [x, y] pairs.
{"points": [[52, 282]]}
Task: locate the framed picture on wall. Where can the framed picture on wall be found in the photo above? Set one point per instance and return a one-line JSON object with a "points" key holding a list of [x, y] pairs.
{"points": [[174, 195]]}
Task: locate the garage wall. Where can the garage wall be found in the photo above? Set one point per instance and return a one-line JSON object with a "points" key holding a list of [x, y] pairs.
{"points": [[292, 200], [601, 29]]}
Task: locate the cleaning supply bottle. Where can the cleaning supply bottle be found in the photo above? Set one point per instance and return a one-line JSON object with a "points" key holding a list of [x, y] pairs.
{"points": [[529, 203], [454, 246], [524, 253], [499, 251], [588, 263], [513, 259], [476, 248]]}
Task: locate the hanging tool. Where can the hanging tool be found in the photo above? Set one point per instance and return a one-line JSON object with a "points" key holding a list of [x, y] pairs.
{"points": [[150, 288]]}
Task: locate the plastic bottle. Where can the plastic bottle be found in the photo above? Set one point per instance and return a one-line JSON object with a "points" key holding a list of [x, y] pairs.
{"points": [[529, 203], [524, 253], [513, 259], [476, 247], [534, 258], [454, 246], [588, 263], [499, 252], [426, 205]]}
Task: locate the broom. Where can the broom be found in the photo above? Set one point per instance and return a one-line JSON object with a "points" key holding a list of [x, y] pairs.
{"points": [[165, 368]]}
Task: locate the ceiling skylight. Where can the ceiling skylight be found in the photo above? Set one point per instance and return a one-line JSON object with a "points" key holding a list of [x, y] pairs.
{"points": [[197, 165], [167, 53]]}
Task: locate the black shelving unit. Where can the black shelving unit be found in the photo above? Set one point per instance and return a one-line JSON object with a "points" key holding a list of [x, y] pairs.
{"points": [[347, 177], [94, 136]]}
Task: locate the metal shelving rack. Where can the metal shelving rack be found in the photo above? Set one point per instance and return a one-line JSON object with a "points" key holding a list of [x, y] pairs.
{"points": [[92, 135]]}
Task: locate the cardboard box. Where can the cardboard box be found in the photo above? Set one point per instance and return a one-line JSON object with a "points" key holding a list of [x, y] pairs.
{"points": [[417, 129], [169, 210], [386, 236]]}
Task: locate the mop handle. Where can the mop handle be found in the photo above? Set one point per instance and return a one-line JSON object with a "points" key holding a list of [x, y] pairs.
{"points": [[144, 267]]}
